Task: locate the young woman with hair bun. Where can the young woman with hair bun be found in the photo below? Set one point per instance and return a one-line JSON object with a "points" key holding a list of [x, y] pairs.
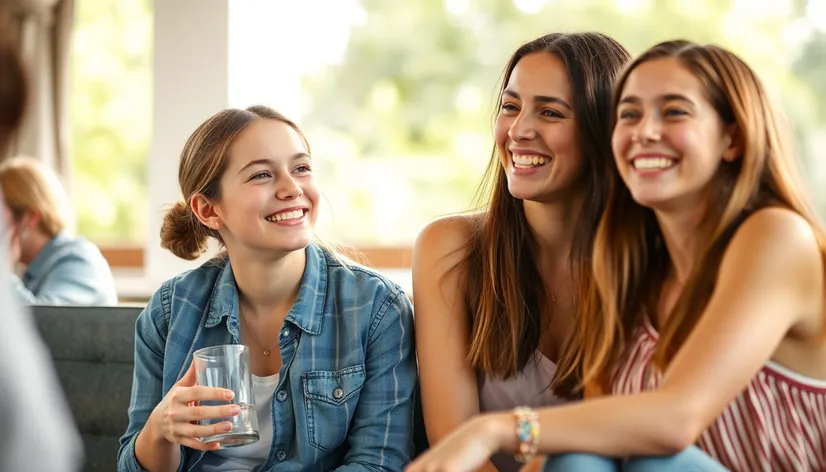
{"points": [[305, 313]]}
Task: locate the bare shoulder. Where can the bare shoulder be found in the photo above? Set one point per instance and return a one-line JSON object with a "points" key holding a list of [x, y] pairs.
{"points": [[778, 230], [446, 238], [780, 250]]}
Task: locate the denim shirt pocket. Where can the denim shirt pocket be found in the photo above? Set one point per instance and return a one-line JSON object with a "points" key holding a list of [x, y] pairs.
{"points": [[331, 398]]}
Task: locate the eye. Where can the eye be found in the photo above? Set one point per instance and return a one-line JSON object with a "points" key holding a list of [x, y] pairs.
{"points": [[260, 175], [627, 114], [303, 169], [550, 113], [675, 112], [509, 107]]}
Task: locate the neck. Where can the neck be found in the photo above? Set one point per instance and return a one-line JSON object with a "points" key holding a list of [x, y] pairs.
{"points": [[265, 286], [552, 226], [33, 242], [682, 237]]}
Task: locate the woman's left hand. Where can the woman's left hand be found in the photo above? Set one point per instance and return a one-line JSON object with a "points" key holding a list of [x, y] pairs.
{"points": [[464, 450]]}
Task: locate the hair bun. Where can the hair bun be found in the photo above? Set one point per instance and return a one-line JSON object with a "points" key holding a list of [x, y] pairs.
{"points": [[182, 234]]}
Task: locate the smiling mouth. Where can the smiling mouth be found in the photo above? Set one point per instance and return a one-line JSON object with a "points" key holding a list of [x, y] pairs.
{"points": [[653, 163], [529, 161], [286, 216]]}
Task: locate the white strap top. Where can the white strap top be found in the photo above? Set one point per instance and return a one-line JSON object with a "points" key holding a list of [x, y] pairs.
{"points": [[530, 387]]}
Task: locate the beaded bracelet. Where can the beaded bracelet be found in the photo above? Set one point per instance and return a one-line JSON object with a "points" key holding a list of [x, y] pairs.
{"points": [[527, 433]]}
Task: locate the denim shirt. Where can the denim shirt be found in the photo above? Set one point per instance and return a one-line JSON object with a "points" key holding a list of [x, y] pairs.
{"points": [[349, 330], [67, 271]]}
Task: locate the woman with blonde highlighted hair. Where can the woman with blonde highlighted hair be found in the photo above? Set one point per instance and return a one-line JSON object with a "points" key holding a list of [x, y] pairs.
{"points": [[708, 318], [59, 268]]}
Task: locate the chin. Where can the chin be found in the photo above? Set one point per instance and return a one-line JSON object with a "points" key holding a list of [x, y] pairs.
{"points": [[294, 244], [522, 193], [653, 201]]}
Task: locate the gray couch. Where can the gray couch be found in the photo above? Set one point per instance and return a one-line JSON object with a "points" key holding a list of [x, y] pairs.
{"points": [[92, 349]]}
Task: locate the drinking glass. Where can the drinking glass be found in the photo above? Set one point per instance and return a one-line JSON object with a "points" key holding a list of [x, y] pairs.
{"points": [[228, 366]]}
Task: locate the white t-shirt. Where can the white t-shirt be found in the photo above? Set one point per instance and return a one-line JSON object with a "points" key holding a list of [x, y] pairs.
{"points": [[246, 458]]}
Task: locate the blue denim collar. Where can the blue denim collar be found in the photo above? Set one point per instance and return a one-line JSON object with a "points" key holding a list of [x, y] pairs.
{"points": [[41, 260], [307, 311]]}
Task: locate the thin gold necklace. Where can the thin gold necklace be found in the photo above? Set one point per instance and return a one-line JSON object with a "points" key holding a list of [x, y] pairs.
{"points": [[254, 339]]}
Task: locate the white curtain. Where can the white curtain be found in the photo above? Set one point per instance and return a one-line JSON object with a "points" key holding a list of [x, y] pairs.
{"points": [[44, 29]]}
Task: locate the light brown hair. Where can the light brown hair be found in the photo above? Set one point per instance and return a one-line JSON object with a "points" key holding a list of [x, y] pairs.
{"points": [[630, 260], [506, 297], [203, 161], [30, 186]]}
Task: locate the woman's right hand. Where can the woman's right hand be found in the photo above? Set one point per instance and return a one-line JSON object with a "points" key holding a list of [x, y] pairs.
{"points": [[176, 418]]}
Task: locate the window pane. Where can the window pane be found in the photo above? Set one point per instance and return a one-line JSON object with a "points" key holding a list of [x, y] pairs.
{"points": [[111, 116]]}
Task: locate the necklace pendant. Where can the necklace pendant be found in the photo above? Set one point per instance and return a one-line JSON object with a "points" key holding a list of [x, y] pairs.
{"points": [[266, 352]]}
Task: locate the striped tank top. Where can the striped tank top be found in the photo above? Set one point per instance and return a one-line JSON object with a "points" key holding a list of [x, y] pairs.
{"points": [[778, 423]]}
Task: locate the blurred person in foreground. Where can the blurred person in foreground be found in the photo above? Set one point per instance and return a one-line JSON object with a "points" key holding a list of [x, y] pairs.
{"points": [[60, 269], [38, 433]]}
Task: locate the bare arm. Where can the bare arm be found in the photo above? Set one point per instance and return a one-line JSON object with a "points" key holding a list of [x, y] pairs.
{"points": [[449, 388], [771, 281]]}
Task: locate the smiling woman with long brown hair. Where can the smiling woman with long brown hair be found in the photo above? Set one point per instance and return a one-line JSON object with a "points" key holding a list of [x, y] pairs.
{"points": [[496, 291]]}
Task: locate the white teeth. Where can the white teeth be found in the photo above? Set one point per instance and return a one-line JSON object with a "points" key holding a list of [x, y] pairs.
{"points": [[651, 163], [523, 161], [285, 215]]}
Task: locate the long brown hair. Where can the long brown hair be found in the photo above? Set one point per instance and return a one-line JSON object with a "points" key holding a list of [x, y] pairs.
{"points": [[203, 161], [630, 261], [505, 293]]}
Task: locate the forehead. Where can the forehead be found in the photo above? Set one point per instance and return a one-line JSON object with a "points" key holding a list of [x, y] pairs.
{"points": [[540, 73], [265, 139], [659, 77]]}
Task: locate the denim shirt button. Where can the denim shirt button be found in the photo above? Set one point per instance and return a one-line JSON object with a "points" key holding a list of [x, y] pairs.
{"points": [[285, 333], [282, 395], [338, 393], [281, 455]]}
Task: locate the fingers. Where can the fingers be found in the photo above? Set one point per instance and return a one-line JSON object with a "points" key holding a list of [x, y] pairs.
{"points": [[200, 394], [202, 412], [188, 380], [196, 444], [186, 431]]}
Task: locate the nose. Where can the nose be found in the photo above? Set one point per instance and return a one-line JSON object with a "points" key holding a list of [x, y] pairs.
{"points": [[522, 128], [649, 129], [287, 188]]}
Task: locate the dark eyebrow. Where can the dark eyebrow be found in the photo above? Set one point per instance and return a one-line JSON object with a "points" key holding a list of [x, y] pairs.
{"points": [[669, 97], [295, 157], [541, 99]]}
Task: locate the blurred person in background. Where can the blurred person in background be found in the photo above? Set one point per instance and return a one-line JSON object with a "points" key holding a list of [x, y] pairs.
{"points": [[38, 433], [60, 269]]}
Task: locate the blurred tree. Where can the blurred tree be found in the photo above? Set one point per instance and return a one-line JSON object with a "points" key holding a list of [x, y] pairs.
{"points": [[414, 93], [111, 117]]}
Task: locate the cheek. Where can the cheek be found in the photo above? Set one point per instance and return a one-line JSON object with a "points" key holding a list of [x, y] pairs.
{"points": [[620, 143], [311, 191], [563, 141], [500, 132]]}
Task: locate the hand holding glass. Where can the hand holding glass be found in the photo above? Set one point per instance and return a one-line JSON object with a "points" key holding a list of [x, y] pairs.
{"points": [[227, 366]]}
